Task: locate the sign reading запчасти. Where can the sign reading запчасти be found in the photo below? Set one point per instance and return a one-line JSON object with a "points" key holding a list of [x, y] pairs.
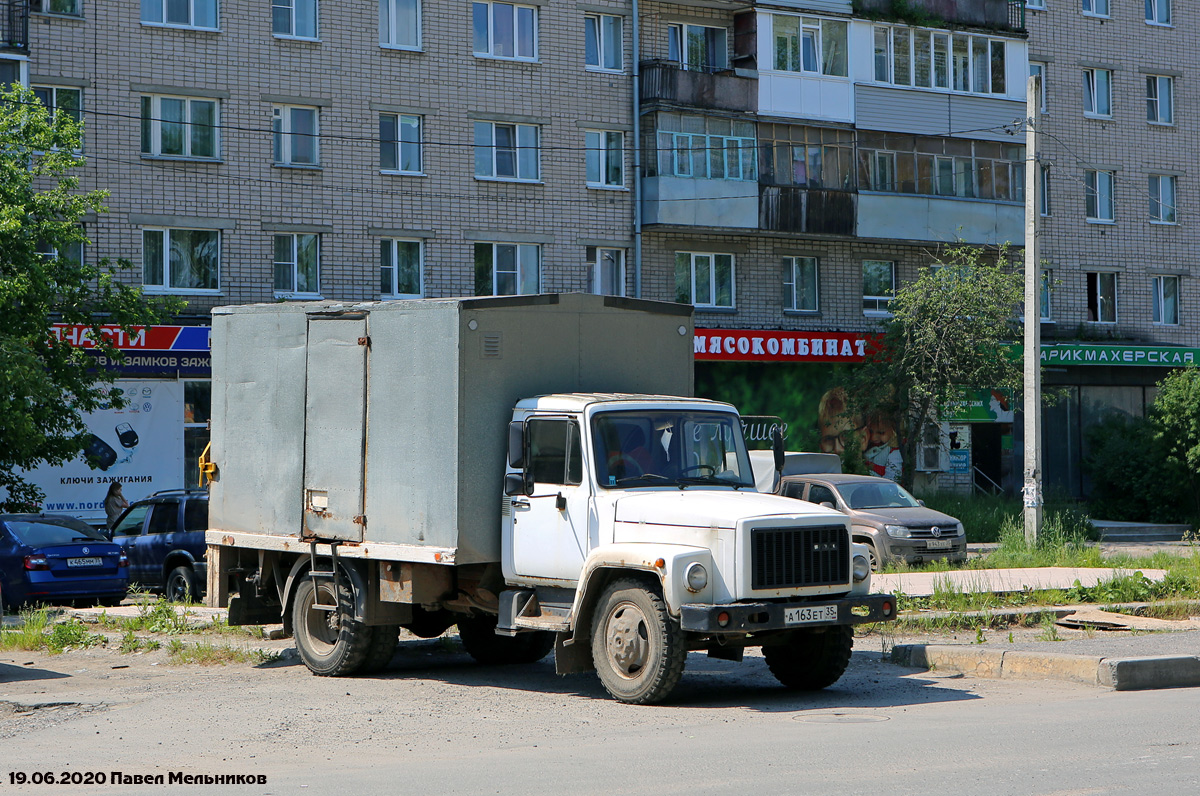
{"points": [[1083, 354]]}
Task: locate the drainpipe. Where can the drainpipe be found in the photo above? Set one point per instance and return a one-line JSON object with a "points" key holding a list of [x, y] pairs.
{"points": [[637, 155]]}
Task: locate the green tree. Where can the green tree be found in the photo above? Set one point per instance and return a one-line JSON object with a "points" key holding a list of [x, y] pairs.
{"points": [[948, 335], [48, 384], [1176, 412]]}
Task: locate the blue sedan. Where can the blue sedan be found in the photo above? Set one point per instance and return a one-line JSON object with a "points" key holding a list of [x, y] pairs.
{"points": [[51, 559]]}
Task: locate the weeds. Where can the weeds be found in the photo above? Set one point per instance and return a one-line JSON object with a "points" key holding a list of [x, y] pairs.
{"points": [[37, 633], [1049, 630], [131, 642], [206, 654]]}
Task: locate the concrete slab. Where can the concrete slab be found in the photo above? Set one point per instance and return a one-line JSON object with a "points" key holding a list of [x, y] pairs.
{"points": [[923, 584], [1140, 674]]}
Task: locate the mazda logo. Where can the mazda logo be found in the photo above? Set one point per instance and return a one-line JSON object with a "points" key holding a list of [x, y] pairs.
{"points": [[935, 532]]}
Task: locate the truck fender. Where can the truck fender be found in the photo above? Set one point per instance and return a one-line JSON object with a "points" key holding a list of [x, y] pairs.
{"points": [[864, 587], [358, 585]]}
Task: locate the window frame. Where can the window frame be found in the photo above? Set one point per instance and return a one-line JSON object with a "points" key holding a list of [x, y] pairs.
{"points": [[291, 8], [677, 150], [714, 288], [399, 144], [940, 50], [1091, 93], [1095, 296], [1044, 194], [54, 105], [595, 260], [516, 147], [282, 150], [791, 273], [43, 7], [1045, 297], [598, 20], [1155, 104], [162, 22], [881, 302], [806, 24], [1152, 9], [1042, 68], [294, 263], [490, 52], [393, 247], [151, 126], [677, 40], [603, 154], [1093, 195], [390, 40], [165, 265], [1158, 299], [1154, 188], [1089, 8], [521, 275]]}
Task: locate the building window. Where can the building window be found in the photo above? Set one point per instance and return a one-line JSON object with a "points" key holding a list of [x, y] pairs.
{"points": [[507, 269], [606, 271], [506, 151], [1039, 70], [941, 166], [180, 127], [1102, 296], [879, 285], [697, 47], [298, 265], [706, 148], [400, 272], [180, 13], [936, 59], [181, 260], [1044, 295], [1160, 99], [1162, 198], [400, 143], [1035, 4], [800, 284], [1158, 12], [1165, 290], [704, 280], [603, 42], [883, 171], [807, 157], [400, 24], [1097, 92], [504, 30], [605, 159], [66, 100], [1098, 190], [296, 134], [294, 18], [71, 251], [1095, 8], [1044, 199], [810, 44], [72, 8]]}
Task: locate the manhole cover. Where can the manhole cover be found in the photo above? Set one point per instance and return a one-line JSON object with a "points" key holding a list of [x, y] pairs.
{"points": [[840, 718]]}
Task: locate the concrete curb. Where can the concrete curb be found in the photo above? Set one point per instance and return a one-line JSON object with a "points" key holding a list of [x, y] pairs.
{"points": [[1120, 674]]}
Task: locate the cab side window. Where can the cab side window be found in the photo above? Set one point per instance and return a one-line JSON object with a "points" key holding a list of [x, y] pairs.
{"points": [[163, 517], [195, 515], [555, 456], [794, 489], [131, 523], [821, 494]]}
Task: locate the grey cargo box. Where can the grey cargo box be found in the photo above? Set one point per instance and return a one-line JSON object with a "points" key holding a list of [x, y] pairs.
{"points": [[386, 422]]}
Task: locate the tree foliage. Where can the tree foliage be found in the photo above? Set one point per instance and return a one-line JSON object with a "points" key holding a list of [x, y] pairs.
{"points": [[1176, 413], [49, 384], [1132, 475], [949, 334]]}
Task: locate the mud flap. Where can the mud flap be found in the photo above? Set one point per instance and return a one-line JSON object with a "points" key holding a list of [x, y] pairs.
{"points": [[253, 611], [572, 656]]}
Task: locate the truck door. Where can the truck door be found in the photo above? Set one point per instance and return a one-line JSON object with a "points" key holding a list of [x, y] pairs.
{"points": [[335, 404], [550, 527]]}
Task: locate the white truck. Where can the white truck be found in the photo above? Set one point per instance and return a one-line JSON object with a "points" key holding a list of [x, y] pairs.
{"points": [[529, 469]]}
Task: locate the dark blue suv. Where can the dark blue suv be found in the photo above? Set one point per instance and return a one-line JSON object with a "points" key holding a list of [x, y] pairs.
{"points": [[163, 535]]}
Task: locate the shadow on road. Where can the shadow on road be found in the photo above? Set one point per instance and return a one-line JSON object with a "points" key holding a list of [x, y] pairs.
{"points": [[12, 673]]}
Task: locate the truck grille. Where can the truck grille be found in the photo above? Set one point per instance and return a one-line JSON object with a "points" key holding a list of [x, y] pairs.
{"points": [[783, 558]]}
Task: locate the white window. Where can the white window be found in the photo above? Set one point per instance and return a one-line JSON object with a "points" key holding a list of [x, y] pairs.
{"points": [[1158, 12], [1162, 198], [59, 98], [1044, 198], [182, 127], [706, 147], [1097, 92], [1035, 4], [697, 47], [605, 158], [603, 42], [1160, 99], [606, 271], [704, 280], [400, 272], [800, 284], [879, 285], [1102, 297], [1098, 191], [1095, 8], [400, 143], [180, 13], [1037, 69], [69, 7], [929, 59], [296, 136], [507, 151], [71, 251], [1165, 298], [504, 30], [810, 44], [297, 265], [1044, 295], [400, 24], [294, 18], [181, 260], [507, 269]]}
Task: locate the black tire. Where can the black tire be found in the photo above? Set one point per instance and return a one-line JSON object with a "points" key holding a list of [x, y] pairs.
{"points": [[638, 649], [331, 643], [479, 638], [429, 624], [811, 659], [382, 648], [180, 585]]}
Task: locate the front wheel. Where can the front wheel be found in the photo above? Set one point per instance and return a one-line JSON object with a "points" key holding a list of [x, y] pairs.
{"points": [[331, 643], [811, 659], [638, 649], [478, 635]]}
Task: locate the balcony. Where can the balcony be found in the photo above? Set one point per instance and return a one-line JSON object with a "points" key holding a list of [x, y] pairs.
{"points": [[1007, 15], [668, 81], [789, 208], [14, 25], [938, 219]]}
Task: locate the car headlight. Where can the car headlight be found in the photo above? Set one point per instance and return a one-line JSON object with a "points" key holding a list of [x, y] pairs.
{"points": [[862, 568], [696, 576], [898, 531]]}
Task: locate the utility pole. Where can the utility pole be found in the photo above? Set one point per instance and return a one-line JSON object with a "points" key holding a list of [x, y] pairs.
{"points": [[1031, 491]]}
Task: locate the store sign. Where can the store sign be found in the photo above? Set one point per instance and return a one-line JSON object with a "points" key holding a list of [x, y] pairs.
{"points": [[994, 406], [142, 338], [738, 345], [1083, 354]]}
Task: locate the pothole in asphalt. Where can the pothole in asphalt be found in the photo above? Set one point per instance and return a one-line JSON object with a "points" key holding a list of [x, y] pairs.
{"points": [[840, 718]]}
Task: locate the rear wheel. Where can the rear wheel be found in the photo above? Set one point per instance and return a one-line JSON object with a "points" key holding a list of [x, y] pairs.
{"points": [[331, 643], [181, 585], [811, 659], [479, 638], [638, 649]]}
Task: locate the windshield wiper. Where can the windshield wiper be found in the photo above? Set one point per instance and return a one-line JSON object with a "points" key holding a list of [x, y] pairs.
{"points": [[643, 477], [710, 479]]}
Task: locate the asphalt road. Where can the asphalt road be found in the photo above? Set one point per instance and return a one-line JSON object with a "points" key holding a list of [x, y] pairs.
{"points": [[436, 723]]}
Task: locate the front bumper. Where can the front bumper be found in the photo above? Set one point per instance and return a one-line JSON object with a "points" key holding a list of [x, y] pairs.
{"points": [[916, 551], [759, 617]]}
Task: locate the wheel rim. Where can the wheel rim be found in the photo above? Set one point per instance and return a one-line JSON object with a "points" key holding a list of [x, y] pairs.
{"points": [[874, 558], [626, 641], [177, 591], [321, 627]]}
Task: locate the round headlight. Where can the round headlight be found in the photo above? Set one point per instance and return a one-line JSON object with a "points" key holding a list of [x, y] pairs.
{"points": [[897, 531], [862, 568], [696, 576]]}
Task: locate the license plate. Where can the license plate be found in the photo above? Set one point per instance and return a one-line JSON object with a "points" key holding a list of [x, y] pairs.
{"points": [[940, 544], [84, 562], [809, 614]]}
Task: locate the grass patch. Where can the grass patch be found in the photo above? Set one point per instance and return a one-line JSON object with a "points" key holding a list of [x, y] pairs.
{"points": [[206, 654], [131, 642], [37, 632]]}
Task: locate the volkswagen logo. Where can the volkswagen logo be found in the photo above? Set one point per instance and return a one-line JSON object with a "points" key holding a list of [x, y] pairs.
{"points": [[935, 532]]}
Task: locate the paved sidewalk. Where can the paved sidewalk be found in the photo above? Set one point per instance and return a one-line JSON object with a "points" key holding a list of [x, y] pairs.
{"points": [[922, 584]]}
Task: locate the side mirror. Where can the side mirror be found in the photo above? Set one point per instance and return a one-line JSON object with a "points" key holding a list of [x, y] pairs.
{"points": [[829, 505], [514, 484], [920, 502], [777, 448], [516, 445]]}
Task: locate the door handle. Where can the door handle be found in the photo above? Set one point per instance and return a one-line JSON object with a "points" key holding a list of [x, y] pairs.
{"points": [[522, 504]]}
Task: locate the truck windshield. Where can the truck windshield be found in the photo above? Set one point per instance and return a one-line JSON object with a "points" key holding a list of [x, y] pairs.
{"points": [[653, 447]]}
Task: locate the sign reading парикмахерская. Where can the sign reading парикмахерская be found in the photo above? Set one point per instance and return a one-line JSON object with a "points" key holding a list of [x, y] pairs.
{"points": [[1082, 354]]}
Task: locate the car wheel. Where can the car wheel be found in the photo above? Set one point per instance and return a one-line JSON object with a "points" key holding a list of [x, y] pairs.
{"points": [[638, 649], [811, 659], [181, 585], [330, 642]]}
